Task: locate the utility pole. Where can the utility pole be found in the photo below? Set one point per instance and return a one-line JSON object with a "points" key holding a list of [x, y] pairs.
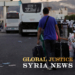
{"points": [[5, 10], [4, 14]]}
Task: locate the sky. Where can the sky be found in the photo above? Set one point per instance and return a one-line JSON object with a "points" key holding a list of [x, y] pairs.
{"points": [[40, 0]]}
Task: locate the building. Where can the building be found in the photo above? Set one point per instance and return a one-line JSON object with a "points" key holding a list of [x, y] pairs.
{"points": [[61, 13]]}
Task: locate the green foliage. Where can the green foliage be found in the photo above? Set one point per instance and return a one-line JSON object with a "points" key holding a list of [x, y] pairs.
{"points": [[72, 17]]}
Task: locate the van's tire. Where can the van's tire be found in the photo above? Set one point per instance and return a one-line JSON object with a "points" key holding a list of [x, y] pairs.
{"points": [[20, 31], [7, 31], [24, 34], [20, 28]]}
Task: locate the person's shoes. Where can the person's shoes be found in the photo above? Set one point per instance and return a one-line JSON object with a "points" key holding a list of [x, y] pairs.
{"points": [[49, 68]]}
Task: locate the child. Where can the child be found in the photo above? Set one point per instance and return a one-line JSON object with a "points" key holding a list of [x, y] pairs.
{"points": [[71, 43]]}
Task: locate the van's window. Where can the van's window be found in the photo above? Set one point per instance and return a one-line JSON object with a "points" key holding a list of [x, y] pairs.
{"points": [[12, 15], [31, 7]]}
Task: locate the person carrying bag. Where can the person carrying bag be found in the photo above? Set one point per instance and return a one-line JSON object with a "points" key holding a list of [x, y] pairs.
{"points": [[49, 34]]}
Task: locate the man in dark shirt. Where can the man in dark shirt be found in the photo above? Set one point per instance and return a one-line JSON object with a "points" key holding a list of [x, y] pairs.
{"points": [[49, 34]]}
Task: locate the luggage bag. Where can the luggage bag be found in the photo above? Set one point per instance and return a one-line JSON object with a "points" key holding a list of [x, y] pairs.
{"points": [[62, 50], [37, 51]]}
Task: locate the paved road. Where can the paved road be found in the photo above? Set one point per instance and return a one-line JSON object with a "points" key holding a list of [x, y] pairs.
{"points": [[13, 48]]}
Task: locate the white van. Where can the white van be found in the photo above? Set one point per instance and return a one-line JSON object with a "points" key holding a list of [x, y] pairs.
{"points": [[31, 13], [12, 21]]}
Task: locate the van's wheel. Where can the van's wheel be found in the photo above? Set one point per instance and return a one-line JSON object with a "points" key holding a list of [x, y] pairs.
{"points": [[22, 34], [36, 34], [7, 31], [20, 29]]}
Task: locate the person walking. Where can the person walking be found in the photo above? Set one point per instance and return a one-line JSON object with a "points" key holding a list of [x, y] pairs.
{"points": [[49, 34], [70, 26], [60, 27], [65, 28]]}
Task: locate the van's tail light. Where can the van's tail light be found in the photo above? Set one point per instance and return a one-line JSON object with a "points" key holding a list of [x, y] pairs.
{"points": [[5, 25]]}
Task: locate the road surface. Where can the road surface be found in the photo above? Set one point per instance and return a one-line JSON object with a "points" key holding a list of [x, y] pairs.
{"points": [[13, 48]]}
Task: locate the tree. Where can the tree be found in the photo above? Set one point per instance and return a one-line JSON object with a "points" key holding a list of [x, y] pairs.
{"points": [[71, 17]]}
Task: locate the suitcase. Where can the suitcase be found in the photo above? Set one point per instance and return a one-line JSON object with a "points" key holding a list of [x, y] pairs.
{"points": [[57, 50], [37, 51], [62, 50], [65, 50], [74, 53]]}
